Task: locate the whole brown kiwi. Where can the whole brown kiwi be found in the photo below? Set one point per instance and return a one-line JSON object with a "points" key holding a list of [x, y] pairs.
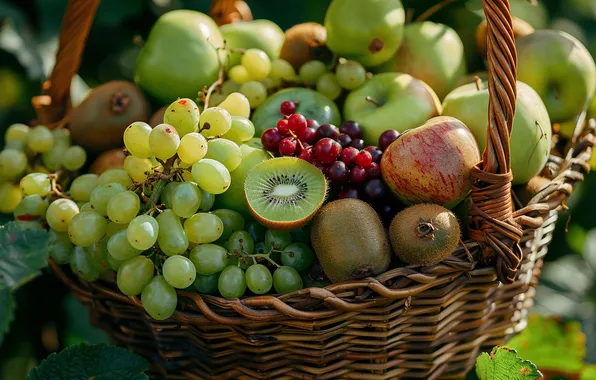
{"points": [[98, 123], [305, 42], [111, 159], [157, 117], [520, 28], [526, 192]]}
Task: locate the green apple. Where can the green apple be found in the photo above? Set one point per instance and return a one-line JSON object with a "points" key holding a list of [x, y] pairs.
{"points": [[471, 78], [569, 26], [559, 68], [391, 101], [531, 133], [534, 14], [369, 32], [180, 56], [430, 52], [259, 34], [311, 104]]}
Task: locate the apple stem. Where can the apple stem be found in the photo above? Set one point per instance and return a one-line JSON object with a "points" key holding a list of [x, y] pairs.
{"points": [[434, 9], [373, 101], [138, 40], [478, 82]]}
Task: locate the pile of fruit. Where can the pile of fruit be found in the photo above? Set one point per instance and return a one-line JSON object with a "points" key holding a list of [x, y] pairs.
{"points": [[250, 181]]}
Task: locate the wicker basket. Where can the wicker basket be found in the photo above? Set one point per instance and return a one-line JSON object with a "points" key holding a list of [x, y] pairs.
{"points": [[413, 322]]}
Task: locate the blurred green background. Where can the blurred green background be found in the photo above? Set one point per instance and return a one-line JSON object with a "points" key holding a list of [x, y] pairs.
{"points": [[49, 319]]}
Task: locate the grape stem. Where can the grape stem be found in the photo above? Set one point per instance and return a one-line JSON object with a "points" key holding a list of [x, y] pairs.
{"points": [[55, 188], [265, 256], [217, 83], [159, 186]]}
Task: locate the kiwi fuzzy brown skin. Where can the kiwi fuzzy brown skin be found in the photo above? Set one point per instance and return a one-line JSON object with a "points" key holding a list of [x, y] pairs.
{"points": [[157, 117], [111, 159], [98, 123], [305, 42], [424, 234], [350, 240], [526, 192]]}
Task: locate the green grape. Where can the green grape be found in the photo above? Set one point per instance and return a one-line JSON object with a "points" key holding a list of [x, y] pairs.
{"points": [[142, 232], [277, 239], [31, 208], [350, 74], [171, 238], [21, 146], [236, 104], [223, 243], [258, 279], [232, 221], [82, 187], [167, 192], [164, 141], [209, 258], [328, 86], [99, 255], [115, 175], [183, 114], [123, 207], [255, 92], [287, 280], [16, 132], [203, 228], [241, 242], [74, 158], [136, 139], [216, 98], [239, 74], [270, 83], [82, 265], [52, 159], [229, 86], [112, 227], [62, 137], [211, 176], [226, 152], [102, 194], [36, 183], [298, 256], [282, 70], [242, 130], [85, 207], [192, 148], [134, 275], [311, 71], [206, 284], [257, 63], [60, 247], [60, 213], [231, 282], [186, 199], [12, 163], [40, 139], [114, 264], [179, 271], [207, 201], [215, 121], [137, 168], [256, 230], [159, 299], [86, 228], [260, 248], [243, 263], [10, 195], [119, 247]]}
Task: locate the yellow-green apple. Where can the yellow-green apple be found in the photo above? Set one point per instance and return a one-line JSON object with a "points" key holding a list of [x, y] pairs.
{"points": [[432, 163], [559, 68], [430, 52], [531, 133], [390, 101], [369, 32], [259, 34], [520, 28], [180, 56]]}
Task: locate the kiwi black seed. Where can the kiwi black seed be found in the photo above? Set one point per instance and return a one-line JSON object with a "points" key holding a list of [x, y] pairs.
{"points": [[424, 234], [284, 193]]}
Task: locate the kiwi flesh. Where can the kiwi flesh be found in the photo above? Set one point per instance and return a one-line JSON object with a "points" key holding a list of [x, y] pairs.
{"points": [[424, 234], [284, 193], [350, 240], [305, 42], [98, 123]]}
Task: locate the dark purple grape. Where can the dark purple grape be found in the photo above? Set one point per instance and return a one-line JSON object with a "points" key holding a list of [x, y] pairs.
{"points": [[387, 138], [375, 188], [373, 171], [328, 130], [348, 192], [375, 152], [338, 172], [344, 140], [351, 128], [358, 144], [358, 175]]}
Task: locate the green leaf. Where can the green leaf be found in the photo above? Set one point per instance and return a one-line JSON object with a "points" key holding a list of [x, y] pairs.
{"points": [[97, 362], [503, 363], [23, 253], [6, 311], [552, 344]]}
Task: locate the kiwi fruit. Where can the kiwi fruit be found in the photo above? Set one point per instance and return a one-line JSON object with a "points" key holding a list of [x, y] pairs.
{"points": [[98, 123], [520, 28], [424, 234], [305, 42], [350, 241], [111, 159], [157, 117], [284, 193], [526, 192]]}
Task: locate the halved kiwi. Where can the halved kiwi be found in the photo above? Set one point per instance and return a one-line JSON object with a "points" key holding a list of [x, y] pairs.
{"points": [[285, 193]]}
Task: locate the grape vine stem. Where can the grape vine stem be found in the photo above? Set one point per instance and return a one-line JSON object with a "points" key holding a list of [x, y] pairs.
{"points": [[217, 83], [160, 185]]}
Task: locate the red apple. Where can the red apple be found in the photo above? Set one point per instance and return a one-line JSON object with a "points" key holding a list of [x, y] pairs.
{"points": [[432, 163]]}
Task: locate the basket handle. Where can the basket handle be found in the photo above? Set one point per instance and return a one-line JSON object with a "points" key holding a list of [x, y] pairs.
{"points": [[492, 222]]}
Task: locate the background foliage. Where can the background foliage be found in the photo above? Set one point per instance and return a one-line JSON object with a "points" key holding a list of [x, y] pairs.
{"points": [[49, 319]]}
